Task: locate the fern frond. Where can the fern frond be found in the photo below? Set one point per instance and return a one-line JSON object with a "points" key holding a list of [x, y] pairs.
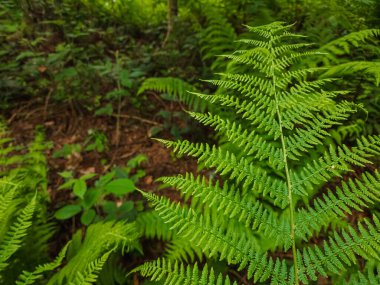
{"points": [[14, 237], [216, 39], [334, 162], [100, 238], [298, 74], [27, 278], [316, 130], [92, 271], [340, 250], [250, 143], [174, 273], [180, 249], [248, 110], [357, 194], [368, 68], [369, 276], [269, 199], [342, 45], [7, 202], [175, 88], [212, 239], [226, 163], [231, 204], [152, 226]]}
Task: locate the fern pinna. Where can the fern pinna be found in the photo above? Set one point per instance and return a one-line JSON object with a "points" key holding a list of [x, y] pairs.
{"points": [[281, 214]]}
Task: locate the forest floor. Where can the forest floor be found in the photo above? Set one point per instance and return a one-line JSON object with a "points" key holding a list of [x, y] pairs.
{"points": [[62, 125]]}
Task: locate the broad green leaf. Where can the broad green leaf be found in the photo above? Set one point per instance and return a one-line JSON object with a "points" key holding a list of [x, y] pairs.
{"points": [[87, 217], [91, 197], [109, 207], [120, 186], [87, 176], [67, 184], [67, 212], [105, 179], [80, 188], [66, 174]]}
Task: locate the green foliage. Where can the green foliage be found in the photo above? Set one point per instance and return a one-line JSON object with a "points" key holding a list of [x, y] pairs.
{"points": [[216, 39], [174, 89], [95, 141], [87, 257], [119, 183], [16, 232], [26, 230], [176, 273], [354, 58], [275, 196], [27, 278], [92, 272]]}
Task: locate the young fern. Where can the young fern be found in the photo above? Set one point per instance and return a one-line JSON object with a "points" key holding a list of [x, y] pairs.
{"points": [[91, 274], [277, 191], [28, 278], [101, 239]]}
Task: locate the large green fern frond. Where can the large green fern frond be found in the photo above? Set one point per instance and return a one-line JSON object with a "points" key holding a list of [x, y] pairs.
{"points": [[283, 187]]}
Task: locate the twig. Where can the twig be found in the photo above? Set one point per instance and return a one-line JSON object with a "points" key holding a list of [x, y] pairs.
{"points": [[241, 278], [137, 118], [47, 99], [159, 99], [135, 279], [18, 112]]}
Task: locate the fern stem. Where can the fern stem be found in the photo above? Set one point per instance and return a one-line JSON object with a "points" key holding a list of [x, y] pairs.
{"points": [[288, 181]]}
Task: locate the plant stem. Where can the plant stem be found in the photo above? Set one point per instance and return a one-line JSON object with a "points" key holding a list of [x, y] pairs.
{"points": [[117, 131], [288, 181]]}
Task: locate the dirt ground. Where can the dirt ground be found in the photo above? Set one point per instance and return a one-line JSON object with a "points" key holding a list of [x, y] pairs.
{"points": [[63, 126]]}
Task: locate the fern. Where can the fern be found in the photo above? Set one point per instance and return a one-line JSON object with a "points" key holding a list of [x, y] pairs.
{"points": [[216, 38], [174, 273], [101, 238], [342, 45], [28, 278], [368, 68], [92, 272], [153, 226], [14, 237], [277, 192], [175, 89]]}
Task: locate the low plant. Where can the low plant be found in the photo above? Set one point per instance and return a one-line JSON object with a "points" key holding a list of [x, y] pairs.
{"points": [[124, 79], [106, 199], [26, 227]]}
